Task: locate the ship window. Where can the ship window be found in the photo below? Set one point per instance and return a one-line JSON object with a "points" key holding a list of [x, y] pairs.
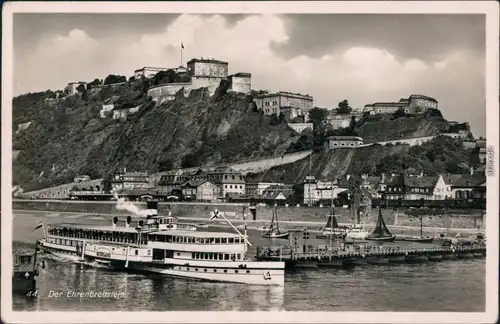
{"points": [[205, 270], [193, 255], [239, 256], [215, 270], [225, 270], [235, 271], [233, 257], [211, 256], [248, 271], [178, 254], [226, 256], [187, 269], [221, 256], [195, 269], [230, 240], [217, 240], [168, 238], [224, 240], [136, 252]]}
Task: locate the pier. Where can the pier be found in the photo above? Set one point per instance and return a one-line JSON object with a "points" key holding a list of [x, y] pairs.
{"points": [[324, 256]]}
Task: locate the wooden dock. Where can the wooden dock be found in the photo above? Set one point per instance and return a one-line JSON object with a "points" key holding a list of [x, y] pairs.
{"points": [[324, 256]]}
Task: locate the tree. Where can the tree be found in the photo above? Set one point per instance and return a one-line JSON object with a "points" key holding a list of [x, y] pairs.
{"points": [[165, 165], [274, 120], [343, 107], [94, 84], [81, 88], [190, 160], [112, 79], [399, 113], [317, 116], [352, 124]]}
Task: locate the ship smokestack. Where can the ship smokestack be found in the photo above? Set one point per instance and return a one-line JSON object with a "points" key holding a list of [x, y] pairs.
{"points": [[129, 220], [115, 221], [151, 209]]}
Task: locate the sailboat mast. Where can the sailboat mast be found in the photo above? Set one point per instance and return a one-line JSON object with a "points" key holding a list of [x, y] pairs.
{"points": [[421, 221], [277, 224]]}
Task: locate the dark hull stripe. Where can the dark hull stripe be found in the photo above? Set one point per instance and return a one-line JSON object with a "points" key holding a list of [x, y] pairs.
{"points": [[121, 264]]}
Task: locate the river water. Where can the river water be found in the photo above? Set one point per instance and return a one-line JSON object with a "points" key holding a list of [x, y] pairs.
{"points": [[444, 286]]}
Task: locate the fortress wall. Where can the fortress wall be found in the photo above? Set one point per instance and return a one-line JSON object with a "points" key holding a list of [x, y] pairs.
{"points": [[60, 192], [167, 91], [264, 164], [206, 82]]}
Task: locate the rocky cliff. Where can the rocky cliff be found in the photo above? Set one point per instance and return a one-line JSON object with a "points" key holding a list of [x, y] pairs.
{"points": [[62, 137], [67, 137]]}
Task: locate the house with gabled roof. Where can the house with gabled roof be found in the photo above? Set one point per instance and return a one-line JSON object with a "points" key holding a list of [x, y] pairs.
{"points": [[408, 187], [470, 186], [443, 188]]}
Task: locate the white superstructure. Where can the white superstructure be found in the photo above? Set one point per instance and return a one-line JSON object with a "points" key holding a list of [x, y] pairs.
{"points": [[161, 245]]}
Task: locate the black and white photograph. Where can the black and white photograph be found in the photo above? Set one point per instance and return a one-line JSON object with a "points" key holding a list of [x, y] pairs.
{"points": [[330, 158]]}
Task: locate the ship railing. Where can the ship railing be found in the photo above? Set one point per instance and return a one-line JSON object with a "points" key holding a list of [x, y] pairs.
{"points": [[95, 241]]}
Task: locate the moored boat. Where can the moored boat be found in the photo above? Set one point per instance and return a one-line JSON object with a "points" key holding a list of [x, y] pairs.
{"points": [[416, 258], [435, 257], [332, 228], [381, 233], [356, 233], [415, 239], [377, 260], [449, 256], [465, 255], [24, 273], [397, 258], [159, 246], [274, 231]]}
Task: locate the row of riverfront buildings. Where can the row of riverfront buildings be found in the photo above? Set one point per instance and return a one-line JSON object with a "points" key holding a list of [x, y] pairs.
{"points": [[224, 184]]}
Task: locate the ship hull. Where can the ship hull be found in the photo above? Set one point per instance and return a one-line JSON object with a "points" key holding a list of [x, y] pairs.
{"points": [[23, 286], [415, 239], [276, 236], [244, 272], [381, 239]]}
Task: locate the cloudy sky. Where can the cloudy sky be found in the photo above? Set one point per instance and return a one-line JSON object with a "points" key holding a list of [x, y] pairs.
{"points": [[362, 58]]}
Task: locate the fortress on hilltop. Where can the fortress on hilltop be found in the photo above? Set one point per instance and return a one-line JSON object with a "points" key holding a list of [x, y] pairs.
{"points": [[204, 73]]}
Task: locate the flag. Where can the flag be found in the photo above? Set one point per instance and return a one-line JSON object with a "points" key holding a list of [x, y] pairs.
{"points": [[215, 214], [38, 226], [182, 45]]}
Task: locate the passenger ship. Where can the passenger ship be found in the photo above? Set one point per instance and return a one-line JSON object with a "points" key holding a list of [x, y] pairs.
{"points": [[159, 246]]}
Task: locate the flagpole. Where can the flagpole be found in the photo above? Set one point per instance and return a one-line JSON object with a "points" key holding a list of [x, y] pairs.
{"points": [[182, 48]]}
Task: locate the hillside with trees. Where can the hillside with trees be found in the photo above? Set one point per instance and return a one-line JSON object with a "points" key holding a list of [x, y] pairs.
{"points": [[67, 137], [440, 155]]}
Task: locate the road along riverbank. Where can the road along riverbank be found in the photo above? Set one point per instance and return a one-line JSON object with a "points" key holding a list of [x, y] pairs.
{"points": [[312, 226]]}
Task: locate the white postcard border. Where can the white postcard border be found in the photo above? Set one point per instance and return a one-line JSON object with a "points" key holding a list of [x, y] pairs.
{"points": [[489, 8]]}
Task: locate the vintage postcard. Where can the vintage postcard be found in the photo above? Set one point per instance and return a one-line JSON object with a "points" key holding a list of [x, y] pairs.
{"points": [[293, 162]]}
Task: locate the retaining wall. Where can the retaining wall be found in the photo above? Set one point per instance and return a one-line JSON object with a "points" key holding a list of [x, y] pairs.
{"points": [[234, 211]]}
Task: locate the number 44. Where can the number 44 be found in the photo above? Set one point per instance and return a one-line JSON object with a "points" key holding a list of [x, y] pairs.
{"points": [[32, 294]]}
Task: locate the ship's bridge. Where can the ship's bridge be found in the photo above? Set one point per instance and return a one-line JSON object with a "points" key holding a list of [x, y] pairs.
{"points": [[161, 222]]}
